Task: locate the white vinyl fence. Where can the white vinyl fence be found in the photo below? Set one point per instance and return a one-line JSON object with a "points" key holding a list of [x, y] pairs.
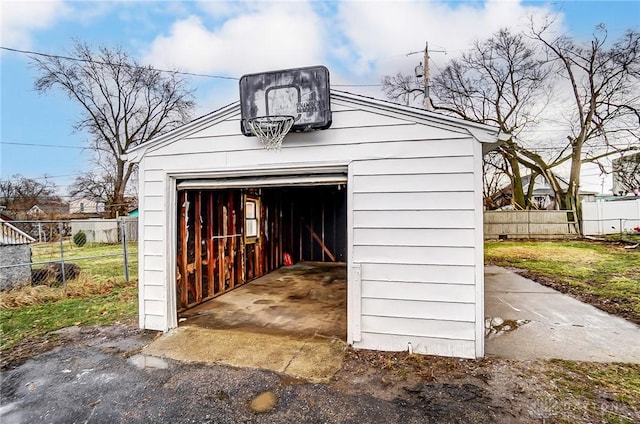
{"points": [[613, 217]]}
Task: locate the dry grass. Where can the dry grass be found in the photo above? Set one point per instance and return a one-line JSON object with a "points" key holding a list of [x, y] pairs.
{"points": [[84, 286], [546, 251]]}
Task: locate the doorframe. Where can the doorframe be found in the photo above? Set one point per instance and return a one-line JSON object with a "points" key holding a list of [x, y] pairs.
{"points": [[171, 307]]}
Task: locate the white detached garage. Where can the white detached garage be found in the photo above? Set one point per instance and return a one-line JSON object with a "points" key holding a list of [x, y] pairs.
{"points": [[394, 192]]}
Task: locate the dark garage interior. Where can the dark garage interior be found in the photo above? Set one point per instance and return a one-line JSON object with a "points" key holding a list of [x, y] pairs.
{"points": [[229, 237]]}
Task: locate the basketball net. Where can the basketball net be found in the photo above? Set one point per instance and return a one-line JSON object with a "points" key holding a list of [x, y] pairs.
{"points": [[271, 130]]}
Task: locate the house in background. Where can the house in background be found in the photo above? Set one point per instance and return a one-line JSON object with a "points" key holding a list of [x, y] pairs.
{"points": [[48, 211], [86, 206], [626, 175], [542, 197]]}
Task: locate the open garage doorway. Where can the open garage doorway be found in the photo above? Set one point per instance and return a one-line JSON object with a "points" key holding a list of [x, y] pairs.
{"points": [[231, 236]]}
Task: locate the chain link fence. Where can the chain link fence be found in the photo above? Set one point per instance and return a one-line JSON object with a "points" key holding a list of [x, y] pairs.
{"points": [[55, 252]]}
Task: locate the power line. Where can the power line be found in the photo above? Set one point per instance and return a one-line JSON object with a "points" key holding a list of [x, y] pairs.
{"points": [[76, 59], [62, 146], [357, 85]]}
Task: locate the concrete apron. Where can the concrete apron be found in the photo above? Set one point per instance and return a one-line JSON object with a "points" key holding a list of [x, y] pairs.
{"points": [[292, 321], [315, 359], [542, 323]]}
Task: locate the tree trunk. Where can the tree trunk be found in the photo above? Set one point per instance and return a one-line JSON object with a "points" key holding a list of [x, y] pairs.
{"points": [[517, 192]]}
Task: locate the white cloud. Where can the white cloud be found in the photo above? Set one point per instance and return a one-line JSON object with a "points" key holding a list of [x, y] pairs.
{"points": [[377, 35], [19, 19], [224, 9], [360, 40], [270, 37]]}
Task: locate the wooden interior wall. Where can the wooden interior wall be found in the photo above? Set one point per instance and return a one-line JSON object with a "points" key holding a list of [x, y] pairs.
{"points": [[315, 223], [212, 257], [265, 255]]}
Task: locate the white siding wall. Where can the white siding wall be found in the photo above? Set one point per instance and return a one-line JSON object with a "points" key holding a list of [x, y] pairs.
{"points": [[411, 220], [153, 284], [414, 246]]}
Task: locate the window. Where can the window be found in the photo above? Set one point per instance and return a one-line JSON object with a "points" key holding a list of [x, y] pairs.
{"points": [[251, 220], [81, 207]]}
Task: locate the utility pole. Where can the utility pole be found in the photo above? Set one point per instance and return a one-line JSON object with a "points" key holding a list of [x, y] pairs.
{"points": [[428, 105], [427, 98]]}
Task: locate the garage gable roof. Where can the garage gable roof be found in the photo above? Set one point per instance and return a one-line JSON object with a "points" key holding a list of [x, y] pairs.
{"points": [[489, 136]]}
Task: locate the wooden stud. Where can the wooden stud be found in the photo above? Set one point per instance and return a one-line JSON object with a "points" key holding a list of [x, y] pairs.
{"points": [[240, 229], [232, 240], [184, 234], [221, 227], [322, 222], [335, 222], [300, 238], [211, 262], [279, 227], [197, 227], [311, 257], [315, 237]]}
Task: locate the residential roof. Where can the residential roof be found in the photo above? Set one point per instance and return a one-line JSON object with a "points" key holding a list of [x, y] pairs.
{"points": [[490, 136]]}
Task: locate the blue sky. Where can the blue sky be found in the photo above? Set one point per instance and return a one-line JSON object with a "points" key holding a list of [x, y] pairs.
{"points": [[358, 41]]}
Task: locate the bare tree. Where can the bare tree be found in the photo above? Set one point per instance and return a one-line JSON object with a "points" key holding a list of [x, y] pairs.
{"points": [[604, 87], [501, 82], [626, 175], [99, 185], [123, 105], [18, 194], [402, 87]]}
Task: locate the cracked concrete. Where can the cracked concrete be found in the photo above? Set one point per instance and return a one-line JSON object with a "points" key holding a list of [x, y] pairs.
{"points": [[292, 321]]}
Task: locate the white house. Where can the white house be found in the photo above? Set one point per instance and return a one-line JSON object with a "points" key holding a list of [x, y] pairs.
{"points": [[396, 190], [85, 205]]}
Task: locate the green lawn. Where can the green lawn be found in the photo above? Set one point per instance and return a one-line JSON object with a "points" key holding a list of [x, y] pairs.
{"points": [[105, 261], [99, 296], [604, 274]]}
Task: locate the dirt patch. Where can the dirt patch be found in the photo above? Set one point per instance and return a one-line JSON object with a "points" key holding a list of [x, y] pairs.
{"points": [[490, 389], [616, 306], [90, 335]]}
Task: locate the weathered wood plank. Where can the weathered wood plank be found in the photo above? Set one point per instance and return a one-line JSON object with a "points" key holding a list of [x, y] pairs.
{"points": [[221, 243], [184, 231], [197, 226], [211, 262], [231, 241], [320, 242]]}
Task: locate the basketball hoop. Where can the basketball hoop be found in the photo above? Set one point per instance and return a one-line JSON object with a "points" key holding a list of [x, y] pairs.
{"points": [[271, 129]]}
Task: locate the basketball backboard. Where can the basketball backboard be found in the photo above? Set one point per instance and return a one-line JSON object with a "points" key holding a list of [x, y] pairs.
{"points": [[302, 93]]}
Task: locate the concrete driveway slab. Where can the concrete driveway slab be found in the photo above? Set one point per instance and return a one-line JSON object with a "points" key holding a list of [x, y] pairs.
{"points": [[314, 359], [552, 325]]}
